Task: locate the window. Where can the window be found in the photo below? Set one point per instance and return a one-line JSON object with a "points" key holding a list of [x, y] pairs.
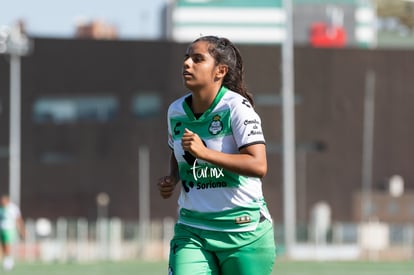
{"points": [[56, 157], [75, 109], [393, 208], [146, 105], [368, 208], [412, 209], [273, 99], [346, 232], [397, 233]]}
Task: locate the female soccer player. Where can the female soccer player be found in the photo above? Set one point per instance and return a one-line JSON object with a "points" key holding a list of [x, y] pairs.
{"points": [[224, 227]]}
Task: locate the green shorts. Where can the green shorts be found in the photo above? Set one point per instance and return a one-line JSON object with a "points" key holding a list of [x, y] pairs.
{"points": [[202, 252], [7, 236]]}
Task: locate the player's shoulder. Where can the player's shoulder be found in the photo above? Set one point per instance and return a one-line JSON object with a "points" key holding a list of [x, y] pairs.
{"points": [[177, 104], [236, 101], [13, 208], [13, 205]]}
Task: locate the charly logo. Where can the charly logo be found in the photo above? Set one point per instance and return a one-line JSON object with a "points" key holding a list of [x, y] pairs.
{"points": [[216, 126], [247, 103], [177, 128]]}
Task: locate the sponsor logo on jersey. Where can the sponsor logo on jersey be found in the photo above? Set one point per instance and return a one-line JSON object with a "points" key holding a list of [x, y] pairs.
{"points": [[188, 185], [211, 185], [255, 132], [254, 124], [205, 177], [206, 172], [216, 126]]}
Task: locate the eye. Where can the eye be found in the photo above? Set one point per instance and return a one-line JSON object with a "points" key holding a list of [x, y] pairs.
{"points": [[197, 58]]}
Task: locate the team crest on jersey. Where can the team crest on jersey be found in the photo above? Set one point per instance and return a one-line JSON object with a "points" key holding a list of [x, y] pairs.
{"points": [[216, 126]]}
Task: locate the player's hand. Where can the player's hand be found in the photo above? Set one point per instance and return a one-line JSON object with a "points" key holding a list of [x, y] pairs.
{"points": [[166, 185], [192, 143]]}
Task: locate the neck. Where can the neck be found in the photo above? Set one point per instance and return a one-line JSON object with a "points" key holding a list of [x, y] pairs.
{"points": [[203, 98]]}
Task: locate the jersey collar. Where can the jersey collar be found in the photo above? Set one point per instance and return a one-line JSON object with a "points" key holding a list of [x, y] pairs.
{"points": [[217, 99]]}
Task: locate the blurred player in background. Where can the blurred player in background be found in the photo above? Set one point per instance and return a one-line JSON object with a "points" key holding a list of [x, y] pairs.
{"points": [[219, 155], [11, 224]]}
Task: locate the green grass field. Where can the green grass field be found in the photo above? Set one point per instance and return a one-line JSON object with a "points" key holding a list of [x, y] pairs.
{"points": [[159, 268]]}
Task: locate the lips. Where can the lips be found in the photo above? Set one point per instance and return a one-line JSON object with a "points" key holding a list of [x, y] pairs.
{"points": [[187, 74]]}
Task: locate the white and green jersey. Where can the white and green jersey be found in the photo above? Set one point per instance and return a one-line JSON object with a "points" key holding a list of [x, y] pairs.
{"points": [[211, 197], [8, 216]]}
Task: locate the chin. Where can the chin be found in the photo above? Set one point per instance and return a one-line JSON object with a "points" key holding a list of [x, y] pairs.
{"points": [[189, 85]]}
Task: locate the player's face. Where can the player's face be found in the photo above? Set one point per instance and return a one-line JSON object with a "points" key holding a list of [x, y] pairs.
{"points": [[199, 68]]}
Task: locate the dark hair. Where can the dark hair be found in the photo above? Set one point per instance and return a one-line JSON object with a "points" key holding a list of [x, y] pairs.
{"points": [[226, 53]]}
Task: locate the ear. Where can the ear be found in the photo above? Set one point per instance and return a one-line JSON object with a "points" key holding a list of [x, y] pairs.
{"points": [[221, 71]]}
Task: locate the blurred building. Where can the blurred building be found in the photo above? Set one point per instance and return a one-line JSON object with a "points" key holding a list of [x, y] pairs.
{"points": [[321, 23], [96, 29], [401, 9], [385, 208]]}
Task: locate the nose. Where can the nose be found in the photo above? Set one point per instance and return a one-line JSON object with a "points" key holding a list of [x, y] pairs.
{"points": [[187, 62]]}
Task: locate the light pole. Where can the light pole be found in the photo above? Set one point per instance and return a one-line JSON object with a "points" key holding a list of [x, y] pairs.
{"points": [[144, 195], [14, 43], [102, 223], [368, 145], [289, 183]]}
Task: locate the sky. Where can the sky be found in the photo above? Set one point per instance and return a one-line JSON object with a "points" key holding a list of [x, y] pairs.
{"points": [[134, 19]]}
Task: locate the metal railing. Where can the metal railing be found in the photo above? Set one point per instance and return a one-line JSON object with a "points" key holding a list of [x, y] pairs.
{"points": [[80, 240]]}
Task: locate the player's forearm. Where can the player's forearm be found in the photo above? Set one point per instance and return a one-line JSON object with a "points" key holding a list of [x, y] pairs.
{"points": [[243, 163], [174, 172]]}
